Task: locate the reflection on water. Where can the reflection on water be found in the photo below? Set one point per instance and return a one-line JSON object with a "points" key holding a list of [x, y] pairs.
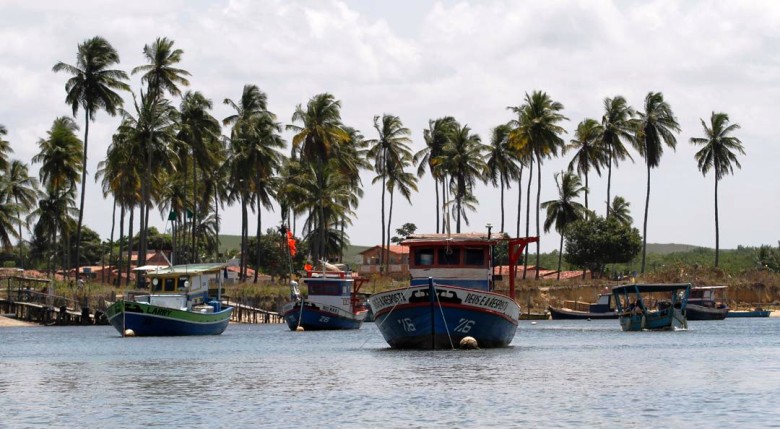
{"points": [[557, 373]]}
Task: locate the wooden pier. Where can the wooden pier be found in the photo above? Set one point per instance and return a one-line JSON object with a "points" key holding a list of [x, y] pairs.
{"points": [[245, 314]]}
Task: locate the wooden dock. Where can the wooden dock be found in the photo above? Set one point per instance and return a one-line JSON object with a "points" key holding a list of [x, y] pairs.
{"points": [[246, 314]]}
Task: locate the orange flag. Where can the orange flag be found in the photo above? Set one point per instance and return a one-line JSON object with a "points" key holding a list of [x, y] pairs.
{"points": [[291, 243]]}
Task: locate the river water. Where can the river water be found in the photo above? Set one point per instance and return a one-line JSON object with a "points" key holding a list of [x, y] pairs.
{"points": [[556, 374]]}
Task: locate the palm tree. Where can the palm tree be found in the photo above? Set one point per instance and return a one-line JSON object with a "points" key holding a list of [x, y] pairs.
{"points": [[5, 148], [617, 129], [92, 88], [160, 75], [251, 109], [589, 152], [22, 190], [319, 138], [620, 210], [9, 218], [321, 133], [463, 159], [654, 127], [537, 126], [436, 136], [503, 165], [199, 132], [719, 153], [391, 154], [563, 211]]}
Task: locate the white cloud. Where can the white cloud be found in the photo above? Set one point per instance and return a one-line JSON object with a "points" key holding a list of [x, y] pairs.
{"points": [[467, 59]]}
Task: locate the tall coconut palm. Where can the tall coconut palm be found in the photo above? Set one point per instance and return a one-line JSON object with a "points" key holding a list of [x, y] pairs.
{"points": [[391, 154], [160, 74], [503, 165], [60, 157], [22, 190], [436, 136], [5, 148], [565, 210], [252, 106], [621, 211], [319, 138], [463, 159], [589, 153], [719, 153], [655, 126], [9, 217], [92, 87], [199, 134], [617, 130], [537, 125]]}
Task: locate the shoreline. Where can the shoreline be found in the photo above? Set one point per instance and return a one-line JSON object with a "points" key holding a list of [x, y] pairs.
{"points": [[10, 322]]}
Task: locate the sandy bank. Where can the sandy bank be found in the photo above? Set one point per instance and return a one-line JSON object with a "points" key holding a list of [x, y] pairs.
{"points": [[10, 322]]}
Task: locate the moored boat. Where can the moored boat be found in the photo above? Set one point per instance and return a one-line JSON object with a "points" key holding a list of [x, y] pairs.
{"points": [[637, 311], [334, 301], [451, 294], [603, 308], [703, 305], [756, 312], [178, 303]]}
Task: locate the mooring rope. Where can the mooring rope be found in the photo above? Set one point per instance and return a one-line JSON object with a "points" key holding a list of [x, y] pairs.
{"points": [[446, 328]]}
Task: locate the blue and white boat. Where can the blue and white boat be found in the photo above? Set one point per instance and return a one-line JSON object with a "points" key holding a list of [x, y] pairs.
{"points": [[177, 304], [451, 294], [334, 301], [652, 306]]}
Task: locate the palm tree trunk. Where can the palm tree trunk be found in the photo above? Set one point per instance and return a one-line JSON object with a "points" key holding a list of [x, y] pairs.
{"points": [[21, 258], [257, 244], [717, 227], [538, 196], [443, 212], [195, 211], [129, 246], [436, 187], [560, 257], [119, 253], [244, 221], [609, 180], [528, 215], [216, 211], [83, 190], [586, 195], [502, 202], [389, 219], [644, 231], [110, 242], [382, 252], [519, 198]]}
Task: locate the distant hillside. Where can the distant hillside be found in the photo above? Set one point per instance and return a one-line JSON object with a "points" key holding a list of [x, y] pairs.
{"points": [[665, 249]]}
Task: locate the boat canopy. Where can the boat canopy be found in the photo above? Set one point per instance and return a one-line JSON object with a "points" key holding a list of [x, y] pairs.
{"points": [[443, 239], [187, 270], [641, 288]]}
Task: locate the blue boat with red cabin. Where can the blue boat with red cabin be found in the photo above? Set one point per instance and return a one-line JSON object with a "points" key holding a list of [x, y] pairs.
{"points": [[451, 294], [334, 300]]}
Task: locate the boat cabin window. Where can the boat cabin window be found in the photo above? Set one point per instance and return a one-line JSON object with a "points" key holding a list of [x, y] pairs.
{"points": [[169, 284], [326, 288], [423, 256], [474, 256], [449, 256]]}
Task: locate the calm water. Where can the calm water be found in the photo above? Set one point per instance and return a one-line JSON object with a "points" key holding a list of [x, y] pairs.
{"points": [[557, 374]]}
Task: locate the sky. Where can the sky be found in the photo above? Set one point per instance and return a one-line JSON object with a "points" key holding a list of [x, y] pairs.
{"points": [[422, 60]]}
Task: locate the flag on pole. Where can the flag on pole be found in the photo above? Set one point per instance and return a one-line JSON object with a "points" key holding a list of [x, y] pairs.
{"points": [[291, 243]]}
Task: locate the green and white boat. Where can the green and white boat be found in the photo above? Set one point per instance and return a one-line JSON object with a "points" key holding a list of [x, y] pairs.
{"points": [[178, 304]]}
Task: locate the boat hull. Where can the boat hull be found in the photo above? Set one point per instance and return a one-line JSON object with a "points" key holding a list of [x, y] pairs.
{"points": [[151, 320], [660, 320], [752, 313], [316, 318], [410, 319], [567, 314], [700, 312]]}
